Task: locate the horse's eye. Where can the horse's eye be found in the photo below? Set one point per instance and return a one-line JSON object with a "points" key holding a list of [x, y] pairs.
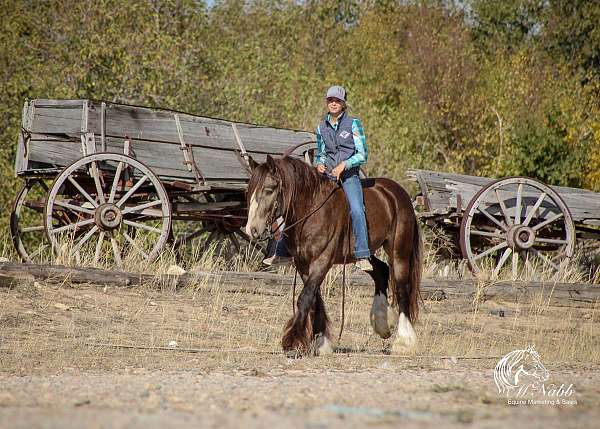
{"points": [[269, 190]]}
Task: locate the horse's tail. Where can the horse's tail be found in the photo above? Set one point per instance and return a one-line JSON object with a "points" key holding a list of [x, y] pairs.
{"points": [[415, 270]]}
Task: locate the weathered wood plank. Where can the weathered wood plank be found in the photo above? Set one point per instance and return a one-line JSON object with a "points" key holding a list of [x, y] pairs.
{"points": [[553, 293]]}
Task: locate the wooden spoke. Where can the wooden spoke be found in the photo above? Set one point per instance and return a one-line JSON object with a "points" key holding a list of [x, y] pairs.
{"points": [[515, 264], [71, 226], [141, 226], [134, 244], [99, 247], [501, 262], [491, 250], [142, 207], [518, 206], [544, 259], [547, 221], [96, 176], [131, 191], [73, 207], [550, 240], [83, 191], [116, 251], [113, 189], [492, 218], [486, 234], [33, 228], [85, 238], [503, 208], [38, 251], [536, 206]]}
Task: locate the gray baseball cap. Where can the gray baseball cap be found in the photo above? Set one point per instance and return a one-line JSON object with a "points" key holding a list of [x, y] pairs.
{"points": [[336, 92]]}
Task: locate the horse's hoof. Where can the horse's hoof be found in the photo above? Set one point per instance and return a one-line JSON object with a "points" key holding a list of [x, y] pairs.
{"points": [[323, 346], [379, 316]]}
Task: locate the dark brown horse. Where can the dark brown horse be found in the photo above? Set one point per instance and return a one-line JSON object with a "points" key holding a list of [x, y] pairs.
{"points": [[317, 211]]}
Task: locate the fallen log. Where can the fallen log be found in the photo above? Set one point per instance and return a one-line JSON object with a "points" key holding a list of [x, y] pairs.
{"points": [[12, 274]]}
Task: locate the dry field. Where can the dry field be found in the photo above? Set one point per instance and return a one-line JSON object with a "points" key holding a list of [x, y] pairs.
{"points": [[59, 366]]}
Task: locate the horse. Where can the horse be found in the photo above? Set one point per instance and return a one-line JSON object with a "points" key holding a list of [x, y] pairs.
{"points": [[318, 236]]}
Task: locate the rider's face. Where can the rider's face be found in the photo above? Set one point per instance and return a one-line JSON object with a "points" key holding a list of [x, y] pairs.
{"points": [[335, 106]]}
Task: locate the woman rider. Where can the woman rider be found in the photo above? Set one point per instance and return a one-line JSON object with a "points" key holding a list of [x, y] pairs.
{"points": [[341, 150]]}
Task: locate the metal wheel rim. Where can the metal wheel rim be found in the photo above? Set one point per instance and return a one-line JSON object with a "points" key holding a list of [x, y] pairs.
{"points": [[93, 160], [545, 193]]}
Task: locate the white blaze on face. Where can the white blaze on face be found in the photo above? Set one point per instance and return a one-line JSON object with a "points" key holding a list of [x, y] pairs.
{"points": [[251, 214]]}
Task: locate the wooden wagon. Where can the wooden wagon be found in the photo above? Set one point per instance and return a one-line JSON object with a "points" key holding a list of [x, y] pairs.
{"points": [[516, 218], [105, 179]]}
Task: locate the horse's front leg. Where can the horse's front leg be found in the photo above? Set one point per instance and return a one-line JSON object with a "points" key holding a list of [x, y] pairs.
{"points": [[310, 319]]}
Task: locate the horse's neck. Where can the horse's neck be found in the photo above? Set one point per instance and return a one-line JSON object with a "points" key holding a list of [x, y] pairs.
{"points": [[303, 205]]}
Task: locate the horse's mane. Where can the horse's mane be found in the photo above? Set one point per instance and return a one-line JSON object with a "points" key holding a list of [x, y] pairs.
{"points": [[299, 182]]}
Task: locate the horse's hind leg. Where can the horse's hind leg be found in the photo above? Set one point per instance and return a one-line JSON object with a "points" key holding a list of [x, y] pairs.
{"points": [[379, 309], [406, 334]]}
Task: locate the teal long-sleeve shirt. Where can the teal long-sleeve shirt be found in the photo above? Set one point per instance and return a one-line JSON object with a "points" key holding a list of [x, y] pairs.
{"points": [[361, 151]]}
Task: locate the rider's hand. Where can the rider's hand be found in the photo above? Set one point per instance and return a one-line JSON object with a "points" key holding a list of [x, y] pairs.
{"points": [[321, 168], [339, 170]]}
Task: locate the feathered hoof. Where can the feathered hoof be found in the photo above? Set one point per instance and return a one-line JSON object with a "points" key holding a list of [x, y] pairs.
{"points": [[407, 338], [323, 346]]}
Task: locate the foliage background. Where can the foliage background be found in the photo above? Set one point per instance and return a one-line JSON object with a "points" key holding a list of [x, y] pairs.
{"points": [[482, 87]]}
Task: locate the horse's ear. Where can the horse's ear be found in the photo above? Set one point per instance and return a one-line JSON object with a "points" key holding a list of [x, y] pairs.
{"points": [[252, 163], [271, 163]]}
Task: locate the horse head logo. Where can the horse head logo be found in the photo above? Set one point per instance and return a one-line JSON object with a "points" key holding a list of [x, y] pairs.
{"points": [[519, 370]]}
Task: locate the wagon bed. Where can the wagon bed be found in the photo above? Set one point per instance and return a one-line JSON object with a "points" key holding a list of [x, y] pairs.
{"points": [[56, 133]]}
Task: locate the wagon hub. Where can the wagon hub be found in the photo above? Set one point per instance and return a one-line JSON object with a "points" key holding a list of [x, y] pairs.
{"points": [[108, 217], [520, 237]]}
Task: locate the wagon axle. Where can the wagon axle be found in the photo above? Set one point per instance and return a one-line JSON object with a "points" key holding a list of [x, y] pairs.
{"points": [[520, 237], [108, 217]]}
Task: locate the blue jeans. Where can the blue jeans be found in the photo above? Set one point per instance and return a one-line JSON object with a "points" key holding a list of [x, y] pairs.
{"points": [[354, 195], [281, 248]]}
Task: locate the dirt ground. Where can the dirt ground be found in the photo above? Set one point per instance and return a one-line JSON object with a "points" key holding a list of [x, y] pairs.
{"points": [[62, 364]]}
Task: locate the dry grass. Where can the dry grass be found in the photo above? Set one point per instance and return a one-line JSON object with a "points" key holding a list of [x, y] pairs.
{"points": [[45, 328], [39, 335]]}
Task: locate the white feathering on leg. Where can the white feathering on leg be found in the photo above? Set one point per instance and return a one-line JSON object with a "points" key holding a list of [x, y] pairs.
{"points": [[325, 347], [406, 334]]}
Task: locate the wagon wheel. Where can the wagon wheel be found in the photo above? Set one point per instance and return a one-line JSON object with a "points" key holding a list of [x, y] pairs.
{"points": [[116, 208], [27, 222], [519, 219]]}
